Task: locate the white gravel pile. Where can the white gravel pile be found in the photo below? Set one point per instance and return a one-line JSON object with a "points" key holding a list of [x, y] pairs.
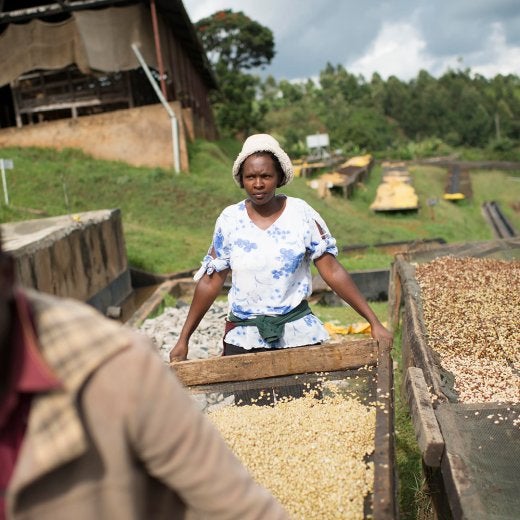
{"points": [[205, 342]]}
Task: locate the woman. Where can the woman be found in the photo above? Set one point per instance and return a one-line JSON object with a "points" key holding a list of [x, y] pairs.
{"points": [[268, 241]]}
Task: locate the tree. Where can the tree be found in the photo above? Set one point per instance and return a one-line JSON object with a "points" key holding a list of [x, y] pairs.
{"points": [[368, 129], [337, 80], [377, 92], [475, 122], [237, 109], [397, 100], [234, 43], [457, 109], [430, 114]]}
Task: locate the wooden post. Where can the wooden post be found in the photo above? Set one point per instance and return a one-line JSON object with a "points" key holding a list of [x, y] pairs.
{"points": [[158, 48]]}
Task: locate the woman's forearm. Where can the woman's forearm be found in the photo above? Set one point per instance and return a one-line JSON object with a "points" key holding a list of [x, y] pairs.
{"points": [[206, 291], [340, 281]]}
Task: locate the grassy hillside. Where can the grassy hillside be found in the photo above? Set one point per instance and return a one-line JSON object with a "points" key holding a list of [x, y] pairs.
{"points": [[168, 219]]}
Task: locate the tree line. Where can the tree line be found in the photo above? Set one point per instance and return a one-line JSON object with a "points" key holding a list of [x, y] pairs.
{"points": [[458, 109]]}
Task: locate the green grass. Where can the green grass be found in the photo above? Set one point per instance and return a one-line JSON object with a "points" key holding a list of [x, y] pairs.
{"points": [[414, 504], [168, 222], [346, 315], [168, 219]]}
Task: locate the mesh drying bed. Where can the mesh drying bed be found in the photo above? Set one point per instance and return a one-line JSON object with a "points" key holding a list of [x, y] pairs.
{"points": [[342, 470], [479, 444], [482, 460], [359, 382]]}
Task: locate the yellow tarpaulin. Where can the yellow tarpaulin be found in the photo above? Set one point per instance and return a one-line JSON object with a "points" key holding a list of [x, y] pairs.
{"points": [[392, 174], [326, 181], [333, 178], [453, 196], [353, 328], [298, 168], [359, 160], [395, 194], [393, 164]]}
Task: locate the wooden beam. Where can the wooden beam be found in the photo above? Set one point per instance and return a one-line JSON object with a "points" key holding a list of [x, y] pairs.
{"points": [[281, 362], [384, 505], [151, 304], [416, 329], [394, 298], [428, 433]]}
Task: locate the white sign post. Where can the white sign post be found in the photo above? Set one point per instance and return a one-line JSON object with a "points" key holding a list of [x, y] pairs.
{"points": [[5, 164], [318, 143]]}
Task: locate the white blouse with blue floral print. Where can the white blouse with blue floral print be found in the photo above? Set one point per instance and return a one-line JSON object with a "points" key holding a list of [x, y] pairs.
{"points": [[270, 269]]}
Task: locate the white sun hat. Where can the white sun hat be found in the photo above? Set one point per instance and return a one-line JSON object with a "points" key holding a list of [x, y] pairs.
{"points": [[263, 143]]}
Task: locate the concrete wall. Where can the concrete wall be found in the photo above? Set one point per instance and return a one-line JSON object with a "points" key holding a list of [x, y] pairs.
{"points": [[373, 285], [139, 136], [81, 256]]}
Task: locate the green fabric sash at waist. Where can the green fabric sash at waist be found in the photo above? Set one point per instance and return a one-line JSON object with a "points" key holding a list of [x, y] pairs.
{"points": [[271, 328]]}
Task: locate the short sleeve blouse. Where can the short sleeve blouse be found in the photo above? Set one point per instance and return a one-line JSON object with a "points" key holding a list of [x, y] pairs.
{"points": [[270, 269]]}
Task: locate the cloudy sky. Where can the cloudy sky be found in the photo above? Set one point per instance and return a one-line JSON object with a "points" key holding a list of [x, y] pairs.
{"points": [[391, 37]]}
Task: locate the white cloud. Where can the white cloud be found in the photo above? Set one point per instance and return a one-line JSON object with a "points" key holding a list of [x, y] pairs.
{"points": [[308, 36], [497, 57], [398, 50], [199, 9]]}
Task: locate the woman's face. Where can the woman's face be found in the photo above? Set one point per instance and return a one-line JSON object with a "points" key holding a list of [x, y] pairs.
{"points": [[260, 178]]}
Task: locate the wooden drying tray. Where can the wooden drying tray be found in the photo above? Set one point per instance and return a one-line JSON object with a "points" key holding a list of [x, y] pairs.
{"points": [[283, 362], [199, 374]]}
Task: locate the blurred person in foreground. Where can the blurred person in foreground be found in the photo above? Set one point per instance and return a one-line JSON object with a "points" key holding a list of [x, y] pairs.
{"points": [[268, 242], [93, 425]]}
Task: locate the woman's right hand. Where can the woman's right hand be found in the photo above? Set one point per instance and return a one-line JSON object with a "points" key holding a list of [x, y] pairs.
{"points": [[206, 290], [179, 352]]}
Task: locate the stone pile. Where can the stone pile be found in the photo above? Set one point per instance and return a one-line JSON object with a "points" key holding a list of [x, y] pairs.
{"points": [[205, 342]]}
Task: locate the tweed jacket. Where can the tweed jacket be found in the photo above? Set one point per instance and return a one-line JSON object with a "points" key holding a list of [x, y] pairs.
{"points": [[122, 439]]}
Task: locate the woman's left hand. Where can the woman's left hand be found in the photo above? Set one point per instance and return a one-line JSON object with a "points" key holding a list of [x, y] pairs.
{"points": [[382, 335]]}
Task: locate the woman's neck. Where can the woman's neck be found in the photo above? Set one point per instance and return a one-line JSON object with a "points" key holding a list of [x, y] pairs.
{"points": [[274, 206], [263, 215]]}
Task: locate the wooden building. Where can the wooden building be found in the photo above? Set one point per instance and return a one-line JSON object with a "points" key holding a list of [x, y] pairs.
{"points": [[71, 58]]}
